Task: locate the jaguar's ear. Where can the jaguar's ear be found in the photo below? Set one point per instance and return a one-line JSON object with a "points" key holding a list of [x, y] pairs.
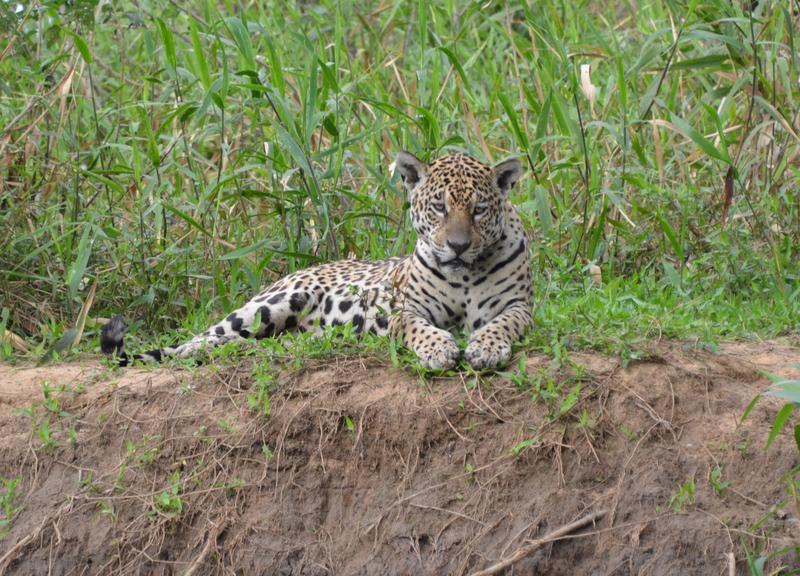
{"points": [[411, 169], [506, 174]]}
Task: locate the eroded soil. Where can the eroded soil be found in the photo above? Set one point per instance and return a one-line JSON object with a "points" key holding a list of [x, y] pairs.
{"points": [[360, 468]]}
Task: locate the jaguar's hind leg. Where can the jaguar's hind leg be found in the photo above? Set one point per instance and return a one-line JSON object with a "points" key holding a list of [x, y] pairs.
{"points": [[271, 312]]}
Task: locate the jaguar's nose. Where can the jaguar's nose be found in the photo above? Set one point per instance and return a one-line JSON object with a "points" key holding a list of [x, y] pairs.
{"points": [[459, 247]]}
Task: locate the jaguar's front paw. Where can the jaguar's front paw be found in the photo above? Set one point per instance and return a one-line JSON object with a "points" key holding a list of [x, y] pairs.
{"points": [[486, 353], [440, 352]]}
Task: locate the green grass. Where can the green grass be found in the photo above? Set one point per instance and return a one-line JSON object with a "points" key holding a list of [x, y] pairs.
{"points": [[179, 158]]}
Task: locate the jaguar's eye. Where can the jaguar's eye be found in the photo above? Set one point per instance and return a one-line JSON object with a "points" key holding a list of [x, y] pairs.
{"points": [[439, 208], [479, 210]]}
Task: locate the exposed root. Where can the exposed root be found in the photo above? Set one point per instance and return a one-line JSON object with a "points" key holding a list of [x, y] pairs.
{"points": [[8, 558], [211, 544]]}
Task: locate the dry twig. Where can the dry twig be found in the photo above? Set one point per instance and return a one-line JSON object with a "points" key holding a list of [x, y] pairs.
{"points": [[529, 549]]}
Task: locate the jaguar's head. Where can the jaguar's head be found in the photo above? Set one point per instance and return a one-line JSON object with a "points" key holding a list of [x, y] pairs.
{"points": [[457, 204]]}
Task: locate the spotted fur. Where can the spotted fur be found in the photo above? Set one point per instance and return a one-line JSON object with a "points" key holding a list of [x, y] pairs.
{"points": [[469, 271]]}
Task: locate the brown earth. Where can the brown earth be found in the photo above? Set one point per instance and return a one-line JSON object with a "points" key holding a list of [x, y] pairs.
{"points": [[374, 472]]}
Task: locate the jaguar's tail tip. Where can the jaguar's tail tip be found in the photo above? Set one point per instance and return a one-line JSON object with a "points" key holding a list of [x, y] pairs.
{"points": [[112, 338]]}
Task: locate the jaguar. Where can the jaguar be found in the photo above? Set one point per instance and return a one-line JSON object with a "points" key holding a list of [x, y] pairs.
{"points": [[470, 271]]}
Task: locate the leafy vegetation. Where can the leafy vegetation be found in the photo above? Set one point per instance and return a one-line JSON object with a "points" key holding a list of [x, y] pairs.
{"points": [[169, 502], [685, 496], [784, 389], [165, 160], [9, 504], [45, 415], [788, 390], [716, 482]]}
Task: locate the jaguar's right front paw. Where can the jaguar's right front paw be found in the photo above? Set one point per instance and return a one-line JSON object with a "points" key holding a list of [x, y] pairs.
{"points": [[440, 352]]}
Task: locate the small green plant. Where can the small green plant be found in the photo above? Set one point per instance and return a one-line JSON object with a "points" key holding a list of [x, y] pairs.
{"points": [[147, 448], [584, 420], [567, 403], [743, 446], [263, 381], [544, 386], [47, 413], [224, 353], [520, 447], [169, 501], [49, 402], [628, 433], [550, 392], [520, 378], [87, 478], [6, 349], [793, 487], [348, 423], [185, 388], [48, 441], [232, 486], [716, 482], [267, 451], [470, 471], [225, 425], [471, 425], [119, 477], [148, 455], [106, 509], [9, 503], [683, 497]]}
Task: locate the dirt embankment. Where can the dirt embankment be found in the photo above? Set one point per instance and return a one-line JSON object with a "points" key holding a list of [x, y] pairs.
{"points": [[362, 469]]}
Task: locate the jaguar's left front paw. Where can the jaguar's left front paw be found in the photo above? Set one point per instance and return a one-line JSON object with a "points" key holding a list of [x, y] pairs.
{"points": [[484, 352]]}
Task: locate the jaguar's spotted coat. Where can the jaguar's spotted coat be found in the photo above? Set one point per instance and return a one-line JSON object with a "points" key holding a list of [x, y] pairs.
{"points": [[470, 270]]}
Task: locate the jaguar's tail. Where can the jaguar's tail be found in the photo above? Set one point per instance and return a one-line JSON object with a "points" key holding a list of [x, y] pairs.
{"points": [[112, 343]]}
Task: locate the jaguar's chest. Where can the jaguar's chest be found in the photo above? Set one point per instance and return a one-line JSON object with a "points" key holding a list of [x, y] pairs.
{"points": [[460, 298], [479, 303]]}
